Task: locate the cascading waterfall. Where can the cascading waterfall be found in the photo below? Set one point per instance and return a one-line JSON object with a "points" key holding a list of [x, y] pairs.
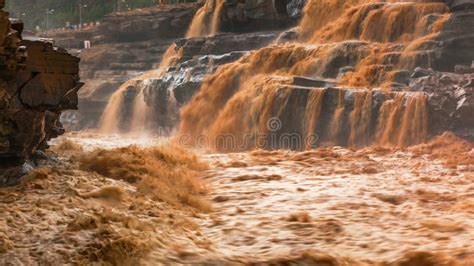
{"points": [[369, 36], [207, 19], [110, 119], [205, 23], [312, 113], [112, 116], [140, 113], [403, 121], [336, 121], [360, 118]]}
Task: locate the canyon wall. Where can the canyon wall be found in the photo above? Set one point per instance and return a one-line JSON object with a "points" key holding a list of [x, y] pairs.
{"points": [[351, 73], [37, 82]]}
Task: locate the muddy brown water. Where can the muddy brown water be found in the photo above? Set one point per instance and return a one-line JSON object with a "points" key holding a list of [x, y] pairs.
{"points": [[354, 204], [330, 206]]}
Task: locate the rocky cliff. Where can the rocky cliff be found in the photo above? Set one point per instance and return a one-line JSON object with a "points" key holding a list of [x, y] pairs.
{"points": [[37, 81]]}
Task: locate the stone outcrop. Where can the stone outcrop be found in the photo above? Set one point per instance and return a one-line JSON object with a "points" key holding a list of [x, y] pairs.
{"points": [[451, 99], [454, 45], [138, 25], [37, 82], [260, 15], [459, 5]]}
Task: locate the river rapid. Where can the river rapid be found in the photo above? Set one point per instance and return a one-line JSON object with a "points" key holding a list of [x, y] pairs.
{"points": [[327, 206]]}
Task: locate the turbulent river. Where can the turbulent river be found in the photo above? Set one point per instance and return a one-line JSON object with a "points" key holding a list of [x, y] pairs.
{"points": [[328, 206]]}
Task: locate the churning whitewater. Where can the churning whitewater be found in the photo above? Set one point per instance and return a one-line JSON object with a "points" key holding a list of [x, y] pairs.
{"points": [[331, 206]]}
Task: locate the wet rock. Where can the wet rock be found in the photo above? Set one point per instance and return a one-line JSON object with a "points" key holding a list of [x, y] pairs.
{"points": [[307, 82], [462, 69], [451, 101], [401, 76], [460, 5], [12, 174], [288, 36], [223, 44], [421, 72], [184, 92], [395, 86], [346, 69], [295, 8]]}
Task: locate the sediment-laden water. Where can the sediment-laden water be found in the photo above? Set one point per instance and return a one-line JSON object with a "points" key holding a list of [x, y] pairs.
{"points": [[332, 206]]}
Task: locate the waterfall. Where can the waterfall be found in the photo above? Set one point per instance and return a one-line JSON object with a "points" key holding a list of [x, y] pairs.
{"points": [[369, 38]]}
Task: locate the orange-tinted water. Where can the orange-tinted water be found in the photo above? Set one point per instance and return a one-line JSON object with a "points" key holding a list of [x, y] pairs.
{"points": [[374, 206], [403, 121], [371, 36], [111, 118], [207, 19], [363, 207], [205, 22]]}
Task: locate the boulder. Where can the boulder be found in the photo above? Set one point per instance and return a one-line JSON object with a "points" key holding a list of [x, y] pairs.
{"points": [[251, 15]]}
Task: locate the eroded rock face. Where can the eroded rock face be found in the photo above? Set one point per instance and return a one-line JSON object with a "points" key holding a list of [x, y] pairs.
{"points": [[251, 15], [457, 5], [37, 82], [139, 25], [451, 99]]}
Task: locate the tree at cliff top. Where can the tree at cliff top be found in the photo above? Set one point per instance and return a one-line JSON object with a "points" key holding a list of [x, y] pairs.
{"points": [[33, 12]]}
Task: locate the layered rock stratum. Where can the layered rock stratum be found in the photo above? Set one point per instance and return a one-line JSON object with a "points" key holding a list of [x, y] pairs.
{"points": [[37, 82], [127, 44], [353, 57], [124, 45]]}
